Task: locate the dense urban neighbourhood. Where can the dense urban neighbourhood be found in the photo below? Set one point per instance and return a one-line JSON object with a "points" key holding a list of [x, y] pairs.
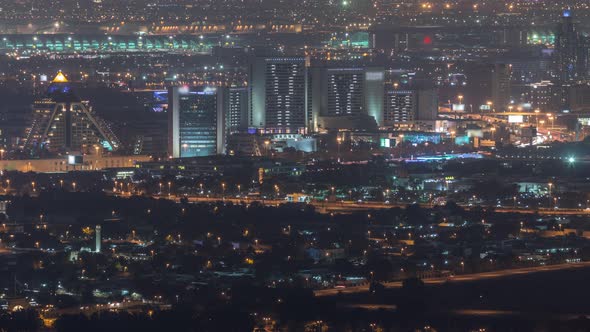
{"points": [[270, 165]]}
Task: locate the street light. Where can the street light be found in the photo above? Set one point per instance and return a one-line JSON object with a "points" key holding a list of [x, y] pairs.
{"points": [[169, 188], [266, 144], [514, 198], [550, 195], [571, 160], [74, 185]]}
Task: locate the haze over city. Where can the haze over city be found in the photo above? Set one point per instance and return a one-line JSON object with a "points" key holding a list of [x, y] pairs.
{"points": [[313, 166]]}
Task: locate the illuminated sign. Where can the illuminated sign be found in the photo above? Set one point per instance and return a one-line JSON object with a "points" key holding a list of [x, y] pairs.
{"points": [[515, 119], [183, 89], [374, 76], [75, 160], [459, 107]]}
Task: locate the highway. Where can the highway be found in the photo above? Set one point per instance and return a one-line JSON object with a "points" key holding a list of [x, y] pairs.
{"points": [[350, 206], [459, 278]]}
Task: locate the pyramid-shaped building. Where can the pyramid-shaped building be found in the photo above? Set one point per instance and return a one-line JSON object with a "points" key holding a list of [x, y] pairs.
{"points": [[63, 123]]}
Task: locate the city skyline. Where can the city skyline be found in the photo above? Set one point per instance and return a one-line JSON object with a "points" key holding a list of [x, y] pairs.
{"points": [[313, 166]]}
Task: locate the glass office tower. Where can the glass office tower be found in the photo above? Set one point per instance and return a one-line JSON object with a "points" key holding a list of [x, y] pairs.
{"points": [[196, 125]]}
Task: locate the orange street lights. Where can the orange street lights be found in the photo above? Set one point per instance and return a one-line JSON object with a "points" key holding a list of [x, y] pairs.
{"points": [[266, 145]]}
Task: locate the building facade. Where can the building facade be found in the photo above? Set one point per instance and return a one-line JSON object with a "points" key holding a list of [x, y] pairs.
{"points": [[196, 121], [278, 93], [404, 106], [237, 116], [346, 95], [63, 123]]}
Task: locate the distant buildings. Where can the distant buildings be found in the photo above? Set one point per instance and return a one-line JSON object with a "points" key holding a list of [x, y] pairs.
{"points": [[196, 121]]}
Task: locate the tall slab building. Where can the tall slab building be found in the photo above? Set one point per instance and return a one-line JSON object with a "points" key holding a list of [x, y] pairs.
{"points": [[278, 93], [196, 121], [346, 96]]}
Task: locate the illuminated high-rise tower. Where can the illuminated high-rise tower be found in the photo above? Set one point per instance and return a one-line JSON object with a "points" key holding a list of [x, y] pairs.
{"points": [[346, 94], [97, 238], [196, 121], [237, 113], [572, 54], [62, 122], [278, 94]]}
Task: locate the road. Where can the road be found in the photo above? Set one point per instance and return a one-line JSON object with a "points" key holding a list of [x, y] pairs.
{"points": [[459, 278], [350, 206]]}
